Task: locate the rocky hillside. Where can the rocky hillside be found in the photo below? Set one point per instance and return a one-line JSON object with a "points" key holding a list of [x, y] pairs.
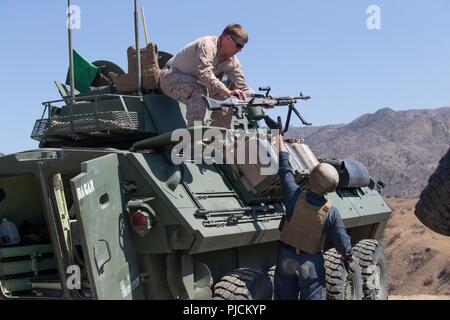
{"points": [[419, 259], [400, 148]]}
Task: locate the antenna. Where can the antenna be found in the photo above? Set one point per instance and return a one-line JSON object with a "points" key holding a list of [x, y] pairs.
{"points": [[138, 51], [144, 22], [71, 71]]}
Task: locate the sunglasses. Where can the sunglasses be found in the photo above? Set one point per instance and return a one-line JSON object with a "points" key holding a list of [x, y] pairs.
{"points": [[236, 43]]}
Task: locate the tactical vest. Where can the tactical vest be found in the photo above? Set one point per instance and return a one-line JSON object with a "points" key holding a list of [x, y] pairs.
{"points": [[305, 229]]}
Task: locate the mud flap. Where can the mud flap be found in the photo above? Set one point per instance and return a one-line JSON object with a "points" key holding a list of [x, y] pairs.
{"points": [[107, 246]]}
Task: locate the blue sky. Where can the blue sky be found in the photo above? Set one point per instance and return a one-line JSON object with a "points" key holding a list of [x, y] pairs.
{"points": [[322, 48]]}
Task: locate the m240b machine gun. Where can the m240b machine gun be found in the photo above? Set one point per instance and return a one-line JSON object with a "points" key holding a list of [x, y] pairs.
{"points": [[259, 100]]}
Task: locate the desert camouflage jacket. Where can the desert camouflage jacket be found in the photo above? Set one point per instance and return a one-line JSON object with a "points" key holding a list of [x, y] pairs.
{"points": [[200, 59]]}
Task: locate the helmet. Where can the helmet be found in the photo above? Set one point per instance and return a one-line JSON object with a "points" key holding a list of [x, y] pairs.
{"points": [[324, 178]]}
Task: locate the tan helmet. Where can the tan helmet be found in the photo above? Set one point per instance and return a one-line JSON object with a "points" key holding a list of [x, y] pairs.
{"points": [[324, 178]]}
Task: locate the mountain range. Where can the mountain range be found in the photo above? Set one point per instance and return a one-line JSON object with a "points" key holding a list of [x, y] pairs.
{"points": [[399, 148]]}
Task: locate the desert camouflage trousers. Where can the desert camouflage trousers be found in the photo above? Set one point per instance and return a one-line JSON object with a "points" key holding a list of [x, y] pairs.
{"points": [[188, 90]]}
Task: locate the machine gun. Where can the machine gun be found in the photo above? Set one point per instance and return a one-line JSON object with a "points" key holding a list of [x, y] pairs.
{"points": [[259, 100]]}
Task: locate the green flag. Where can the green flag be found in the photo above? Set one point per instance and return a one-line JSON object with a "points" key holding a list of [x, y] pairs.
{"points": [[84, 71]]}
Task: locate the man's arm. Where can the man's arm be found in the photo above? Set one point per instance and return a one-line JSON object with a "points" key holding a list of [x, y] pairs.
{"points": [[205, 73], [290, 187], [338, 232], [236, 77]]}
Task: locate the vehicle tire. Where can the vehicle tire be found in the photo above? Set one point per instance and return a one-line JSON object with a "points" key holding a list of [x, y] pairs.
{"points": [[244, 284], [374, 265], [340, 284], [433, 207]]}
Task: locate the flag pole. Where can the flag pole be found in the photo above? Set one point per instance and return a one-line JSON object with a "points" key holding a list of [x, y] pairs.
{"points": [[71, 71], [138, 51]]}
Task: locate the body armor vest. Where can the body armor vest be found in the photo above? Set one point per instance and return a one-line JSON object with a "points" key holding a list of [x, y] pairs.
{"points": [[305, 229]]}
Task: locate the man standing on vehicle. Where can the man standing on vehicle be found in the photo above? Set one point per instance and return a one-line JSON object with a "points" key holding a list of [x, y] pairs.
{"points": [[196, 71], [309, 217]]}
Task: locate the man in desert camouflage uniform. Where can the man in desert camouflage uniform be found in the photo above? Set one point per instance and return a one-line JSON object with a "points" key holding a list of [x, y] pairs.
{"points": [[196, 69]]}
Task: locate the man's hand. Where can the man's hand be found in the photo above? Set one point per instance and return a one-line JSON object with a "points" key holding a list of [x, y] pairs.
{"points": [[238, 93], [281, 145], [272, 124], [276, 125]]}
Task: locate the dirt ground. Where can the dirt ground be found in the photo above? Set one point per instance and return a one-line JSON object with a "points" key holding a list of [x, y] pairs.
{"points": [[419, 259], [419, 297]]}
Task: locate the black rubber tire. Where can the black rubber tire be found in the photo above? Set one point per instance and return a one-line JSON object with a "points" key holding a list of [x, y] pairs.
{"points": [[433, 207], [244, 284], [375, 270], [340, 284]]}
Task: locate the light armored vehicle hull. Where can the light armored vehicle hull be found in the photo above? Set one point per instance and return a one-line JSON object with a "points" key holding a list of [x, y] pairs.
{"points": [[104, 212]]}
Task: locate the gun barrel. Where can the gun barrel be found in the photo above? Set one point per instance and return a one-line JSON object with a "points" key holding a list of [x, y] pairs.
{"points": [[301, 98], [253, 100]]}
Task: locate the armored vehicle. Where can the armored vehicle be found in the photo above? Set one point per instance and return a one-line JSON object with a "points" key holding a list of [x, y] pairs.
{"points": [[433, 207], [114, 205]]}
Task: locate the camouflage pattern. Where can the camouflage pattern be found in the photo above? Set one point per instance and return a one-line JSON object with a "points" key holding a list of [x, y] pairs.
{"points": [[188, 90], [222, 118], [195, 71], [200, 59]]}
